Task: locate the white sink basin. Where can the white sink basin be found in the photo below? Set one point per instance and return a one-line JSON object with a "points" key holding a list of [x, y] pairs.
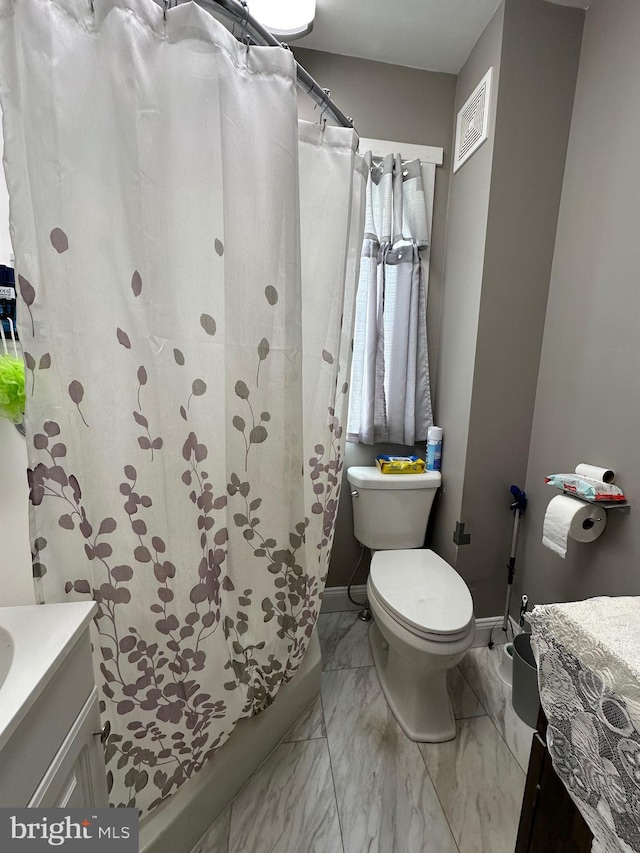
{"points": [[34, 642], [6, 654]]}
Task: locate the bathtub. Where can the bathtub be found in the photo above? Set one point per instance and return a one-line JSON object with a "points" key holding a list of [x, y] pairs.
{"points": [[178, 824]]}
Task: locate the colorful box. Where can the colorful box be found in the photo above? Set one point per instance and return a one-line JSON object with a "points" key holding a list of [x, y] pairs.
{"points": [[400, 464]]}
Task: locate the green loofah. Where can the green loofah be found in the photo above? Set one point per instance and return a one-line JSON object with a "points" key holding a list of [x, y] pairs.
{"points": [[12, 395]]}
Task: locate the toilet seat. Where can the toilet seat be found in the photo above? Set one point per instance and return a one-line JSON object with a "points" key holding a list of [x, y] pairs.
{"points": [[423, 593]]}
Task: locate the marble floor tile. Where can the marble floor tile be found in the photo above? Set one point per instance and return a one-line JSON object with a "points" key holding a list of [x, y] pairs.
{"points": [[217, 838], [344, 640], [464, 700], [479, 668], [309, 725], [386, 800], [480, 786], [288, 805]]}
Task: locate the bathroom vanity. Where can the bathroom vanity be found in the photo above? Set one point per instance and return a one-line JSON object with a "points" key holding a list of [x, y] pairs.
{"points": [[550, 821], [50, 736], [589, 676]]}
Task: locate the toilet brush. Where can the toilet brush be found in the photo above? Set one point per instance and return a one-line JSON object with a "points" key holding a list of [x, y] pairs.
{"points": [[518, 507]]}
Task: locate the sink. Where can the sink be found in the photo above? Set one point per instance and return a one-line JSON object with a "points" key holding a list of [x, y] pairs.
{"points": [[49, 708], [6, 654], [34, 642]]}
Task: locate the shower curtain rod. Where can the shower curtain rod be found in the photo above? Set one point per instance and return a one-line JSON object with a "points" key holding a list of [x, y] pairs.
{"points": [[238, 12]]}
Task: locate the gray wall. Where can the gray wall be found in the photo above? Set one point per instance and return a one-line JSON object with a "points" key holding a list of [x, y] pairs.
{"points": [[588, 403], [404, 105], [539, 66], [464, 253]]}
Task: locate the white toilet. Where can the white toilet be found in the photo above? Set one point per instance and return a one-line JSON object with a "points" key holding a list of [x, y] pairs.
{"points": [[423, 610]]}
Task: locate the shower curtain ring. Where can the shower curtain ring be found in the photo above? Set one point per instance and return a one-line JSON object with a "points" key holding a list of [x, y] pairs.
{"points": [[327, 97], [245, 20]]}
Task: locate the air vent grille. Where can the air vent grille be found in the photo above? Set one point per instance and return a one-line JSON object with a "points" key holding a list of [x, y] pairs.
{"points": [[472, 126]]}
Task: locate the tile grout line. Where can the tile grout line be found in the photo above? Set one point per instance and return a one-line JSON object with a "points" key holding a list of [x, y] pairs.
{"points": [[332, 643], [504, 738], [495, 724], [246, 783], [371, 665], [479, 701], [343, 668], [435, 790], [470, 686], [282, 743], [305, 739], [515, 757], [230, 807], [333, 781], [489, 714]]}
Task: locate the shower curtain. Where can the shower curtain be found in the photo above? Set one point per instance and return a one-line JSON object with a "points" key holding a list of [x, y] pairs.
{"points": [[187, 257]]}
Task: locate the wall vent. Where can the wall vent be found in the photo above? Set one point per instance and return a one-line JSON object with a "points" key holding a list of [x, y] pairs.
{"points": [[472, 126]]}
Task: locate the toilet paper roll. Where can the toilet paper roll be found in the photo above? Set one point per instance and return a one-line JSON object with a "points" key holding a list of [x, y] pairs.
{"points": [[604, 474], [568, 517]]}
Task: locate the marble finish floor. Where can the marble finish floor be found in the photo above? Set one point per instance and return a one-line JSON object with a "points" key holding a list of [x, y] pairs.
{"points": [[479, 668], [346, 779]]}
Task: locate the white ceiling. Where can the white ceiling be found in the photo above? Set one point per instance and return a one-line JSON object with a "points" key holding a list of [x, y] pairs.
{"points": [[435, 35]]}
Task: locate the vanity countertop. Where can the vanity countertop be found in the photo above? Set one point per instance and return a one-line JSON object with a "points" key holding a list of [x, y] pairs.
{"points": [[588, 655], [34, 641], [612, 625]]}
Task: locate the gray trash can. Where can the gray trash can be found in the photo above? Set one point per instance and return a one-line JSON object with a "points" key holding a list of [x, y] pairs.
{"points": [[525, 697]]}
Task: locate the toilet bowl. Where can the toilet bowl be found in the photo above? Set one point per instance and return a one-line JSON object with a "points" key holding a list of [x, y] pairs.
{"points": [[424, 625], [423, 611]]}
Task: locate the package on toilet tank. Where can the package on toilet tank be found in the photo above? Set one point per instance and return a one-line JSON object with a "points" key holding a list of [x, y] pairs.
{"points": [[400, 464]]}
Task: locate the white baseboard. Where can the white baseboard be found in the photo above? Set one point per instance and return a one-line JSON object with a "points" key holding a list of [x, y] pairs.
{"points": [[484, 626], [335, 598], [489, 627]]}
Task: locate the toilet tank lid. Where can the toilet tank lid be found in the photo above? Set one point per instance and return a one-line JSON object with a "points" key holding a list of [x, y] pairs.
{"points": [[368, 477]]}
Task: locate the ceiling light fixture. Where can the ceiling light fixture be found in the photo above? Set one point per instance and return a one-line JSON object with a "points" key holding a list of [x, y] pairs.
{"points": [[286, 19]]}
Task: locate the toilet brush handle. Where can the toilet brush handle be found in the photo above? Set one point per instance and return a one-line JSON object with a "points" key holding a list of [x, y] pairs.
{"points": [[518, 507], [507, 608]]}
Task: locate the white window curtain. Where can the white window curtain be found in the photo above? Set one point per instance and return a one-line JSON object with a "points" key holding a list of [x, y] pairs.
{"points": [[390, 394]]}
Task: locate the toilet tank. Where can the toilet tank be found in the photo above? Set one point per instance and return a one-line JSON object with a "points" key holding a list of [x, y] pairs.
{"points": [[391, 511]]}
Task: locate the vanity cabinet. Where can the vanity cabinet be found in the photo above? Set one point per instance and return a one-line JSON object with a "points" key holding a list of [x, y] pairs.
{"points": [[550, 821], [76, 777], [51, 753]]}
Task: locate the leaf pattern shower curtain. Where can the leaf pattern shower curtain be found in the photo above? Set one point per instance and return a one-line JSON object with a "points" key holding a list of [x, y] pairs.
{"points": [[187, 260]]}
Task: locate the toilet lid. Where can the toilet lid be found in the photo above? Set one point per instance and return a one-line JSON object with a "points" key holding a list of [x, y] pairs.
{"points": [[422, 591]]}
